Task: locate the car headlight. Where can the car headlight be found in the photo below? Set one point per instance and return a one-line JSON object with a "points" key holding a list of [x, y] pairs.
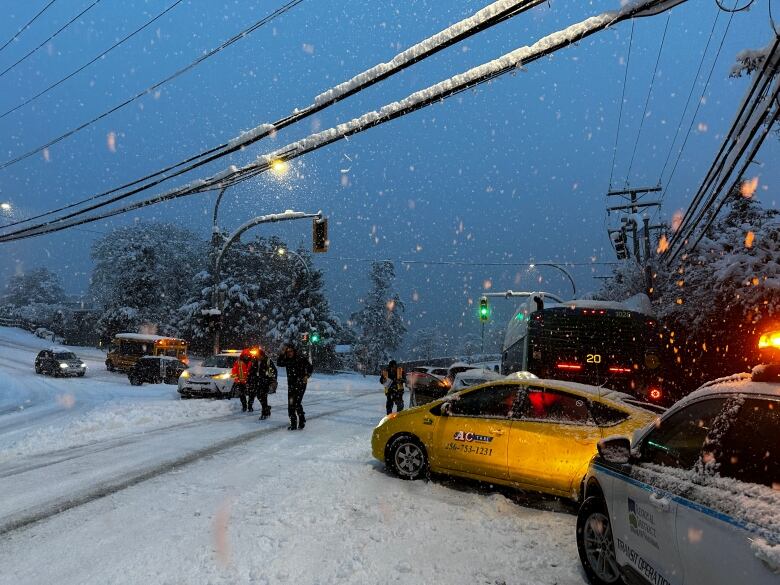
{"points": [[390, 416], [83, 365], [225, 376], [63, 366], [185, 374]]}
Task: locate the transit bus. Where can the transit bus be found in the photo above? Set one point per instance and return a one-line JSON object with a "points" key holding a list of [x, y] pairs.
{"points": [[127, 348], [602, 343]]}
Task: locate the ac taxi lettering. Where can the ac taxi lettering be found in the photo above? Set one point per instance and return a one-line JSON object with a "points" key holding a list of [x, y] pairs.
{"points": [[469, 437]]}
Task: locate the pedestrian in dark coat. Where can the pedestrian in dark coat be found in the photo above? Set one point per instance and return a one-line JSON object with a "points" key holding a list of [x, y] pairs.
{"points": [[262, 377], [392, 378], [299, 369]]}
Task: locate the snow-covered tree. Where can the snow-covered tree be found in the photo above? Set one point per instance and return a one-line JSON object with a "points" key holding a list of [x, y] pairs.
{"points": [[379, 323], [425, 344], [142, 275], [716, 299], [38, 286]]}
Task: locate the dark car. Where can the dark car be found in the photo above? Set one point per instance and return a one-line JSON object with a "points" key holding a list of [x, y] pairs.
{"points": [[425, 387], [59, 362], [154, 369]]}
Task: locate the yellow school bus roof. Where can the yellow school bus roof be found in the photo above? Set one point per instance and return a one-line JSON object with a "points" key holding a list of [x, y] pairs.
{"points": [[148, 338]]}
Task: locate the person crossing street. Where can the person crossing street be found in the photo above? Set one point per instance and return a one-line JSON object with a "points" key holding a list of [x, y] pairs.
{"points": [[261, 380], [299, 369], [392, 378], [240, 375]]}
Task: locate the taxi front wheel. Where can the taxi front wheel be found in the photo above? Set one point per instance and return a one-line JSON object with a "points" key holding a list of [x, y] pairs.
{"points": [[407, 458], [596, 545]]}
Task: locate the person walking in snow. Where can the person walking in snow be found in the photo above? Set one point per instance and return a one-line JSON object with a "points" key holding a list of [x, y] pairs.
{"points": [[262, 377], [298, 371], [240, 375], [392, 378]]}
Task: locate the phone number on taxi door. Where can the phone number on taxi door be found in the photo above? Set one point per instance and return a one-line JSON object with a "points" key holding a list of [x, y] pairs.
{"points": [[470, 449]]}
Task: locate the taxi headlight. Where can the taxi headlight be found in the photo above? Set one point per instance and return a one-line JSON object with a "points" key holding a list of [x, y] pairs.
{"points": [[390, 416], [64, 366]]}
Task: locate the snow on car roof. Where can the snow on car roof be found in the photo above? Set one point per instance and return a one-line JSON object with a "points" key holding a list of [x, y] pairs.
{"points": [[160, 357], [738, 383], [59, 350]]}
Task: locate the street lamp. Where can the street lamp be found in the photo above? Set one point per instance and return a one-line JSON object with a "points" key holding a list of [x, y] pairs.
{"points": [[5, 206], [282, 252], [280, 167], [288, 215]]}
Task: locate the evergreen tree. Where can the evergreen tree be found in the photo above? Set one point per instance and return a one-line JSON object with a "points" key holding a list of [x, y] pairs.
{"points": [[38, 286], [425, 345], [142, 275], [379, 323]]}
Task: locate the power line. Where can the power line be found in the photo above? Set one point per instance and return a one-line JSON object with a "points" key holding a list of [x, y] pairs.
{"points": [[421, 99], [235, 38], [622, 99], [362, 81], [100, 56], [51, 37], [688, 101], [649, 93], [463, 262], [26, 26]]}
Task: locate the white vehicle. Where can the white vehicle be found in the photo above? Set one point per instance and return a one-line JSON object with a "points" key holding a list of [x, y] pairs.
{"points": [[472, 377], [695, 497], [437, 371], [211, 379]]}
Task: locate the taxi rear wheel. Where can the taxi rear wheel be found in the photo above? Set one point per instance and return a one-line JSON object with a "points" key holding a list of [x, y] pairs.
{"points": [[407, 458], [596, 545]]}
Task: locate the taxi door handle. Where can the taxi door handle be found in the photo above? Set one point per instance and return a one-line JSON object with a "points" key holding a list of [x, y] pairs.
{"points": [[660, 502], [497, 431]]}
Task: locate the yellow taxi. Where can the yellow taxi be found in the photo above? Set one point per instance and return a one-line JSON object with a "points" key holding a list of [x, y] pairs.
{"points": [[537, 435]]}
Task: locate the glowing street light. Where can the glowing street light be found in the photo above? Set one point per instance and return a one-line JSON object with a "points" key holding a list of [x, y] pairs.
{"points": [[280, 167], [5, 206]]}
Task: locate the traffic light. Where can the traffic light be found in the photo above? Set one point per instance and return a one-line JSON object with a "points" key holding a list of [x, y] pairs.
{"points": [[314, 337], [319, 235], [619, 241], [484, 309]]}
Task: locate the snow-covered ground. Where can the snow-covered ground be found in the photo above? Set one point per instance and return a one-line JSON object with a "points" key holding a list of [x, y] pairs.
{"points": [[103, 482]]}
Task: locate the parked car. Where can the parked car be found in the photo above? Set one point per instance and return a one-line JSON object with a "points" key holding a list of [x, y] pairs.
{"points": [[472, 377], [211, 379], [154, 369], [694, 498], [537, 435], [59, 362], [435, 370], [425, 387]]}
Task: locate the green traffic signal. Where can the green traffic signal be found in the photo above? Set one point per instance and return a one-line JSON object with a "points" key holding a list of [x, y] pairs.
{"points": [[314, 337], [484, 310]]}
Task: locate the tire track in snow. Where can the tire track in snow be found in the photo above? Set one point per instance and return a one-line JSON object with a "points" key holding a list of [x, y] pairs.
{"points": [[121, 482]]}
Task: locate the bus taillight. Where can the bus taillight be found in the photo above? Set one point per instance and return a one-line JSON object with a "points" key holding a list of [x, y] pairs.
{"points": [[655, 393], [619, 370], [569, 366]]}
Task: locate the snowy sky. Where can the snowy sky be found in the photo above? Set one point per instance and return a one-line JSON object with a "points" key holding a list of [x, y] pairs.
{"points": [[514, 171]]}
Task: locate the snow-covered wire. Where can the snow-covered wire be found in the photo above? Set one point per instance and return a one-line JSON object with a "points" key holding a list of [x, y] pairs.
{"points": [[622, 99], [481, 20], [51, 37], [27, 25], [203, 57], [434, 94], [87, 64], [649, 93]]}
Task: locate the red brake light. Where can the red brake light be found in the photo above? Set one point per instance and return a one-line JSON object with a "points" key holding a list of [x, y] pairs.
{"points": [[619, 370], [569, 366], [655, 393]]}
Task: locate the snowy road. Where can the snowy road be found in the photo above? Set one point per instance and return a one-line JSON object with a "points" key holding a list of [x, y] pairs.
{"points": [[218, 497]]}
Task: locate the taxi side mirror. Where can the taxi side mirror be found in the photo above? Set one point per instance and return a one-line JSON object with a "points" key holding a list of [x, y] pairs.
{"points": [[615, 450], [446, 408]]}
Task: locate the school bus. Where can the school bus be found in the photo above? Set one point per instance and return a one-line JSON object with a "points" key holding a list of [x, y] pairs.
{"points": [[127, 348]]}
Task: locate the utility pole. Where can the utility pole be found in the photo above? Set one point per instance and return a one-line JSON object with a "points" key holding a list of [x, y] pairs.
{"points": [[630, 226]]}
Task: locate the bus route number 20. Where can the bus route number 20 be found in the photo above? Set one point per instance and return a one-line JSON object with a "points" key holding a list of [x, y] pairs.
{"points": [[593, 358]]}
